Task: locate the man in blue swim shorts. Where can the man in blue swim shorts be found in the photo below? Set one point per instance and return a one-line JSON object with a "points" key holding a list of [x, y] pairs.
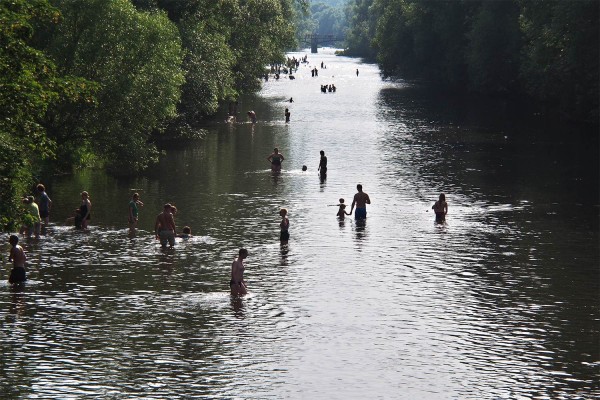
{"points": [[361, 199]]}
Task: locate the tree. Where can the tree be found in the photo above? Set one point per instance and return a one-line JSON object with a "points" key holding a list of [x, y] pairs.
{"points": [[560, 54], [493, 53], [29, 83], [135, 58]]}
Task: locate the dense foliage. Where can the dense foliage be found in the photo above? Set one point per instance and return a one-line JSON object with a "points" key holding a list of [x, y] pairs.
{"points": [[29, 84], [545, 49], [324, 17], [96, 81]]}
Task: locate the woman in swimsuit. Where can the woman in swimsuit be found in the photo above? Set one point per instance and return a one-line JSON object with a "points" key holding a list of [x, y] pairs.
{"points": [[85, 209], [275, 159]]}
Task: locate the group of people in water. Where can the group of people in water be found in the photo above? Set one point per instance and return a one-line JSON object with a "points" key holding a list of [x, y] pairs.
{"points": [[328, 88], [164, 227]]}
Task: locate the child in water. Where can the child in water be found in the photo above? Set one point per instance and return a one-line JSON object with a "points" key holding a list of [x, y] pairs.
{"points": [[341, 211], [18, 257], [186, 232], [284, 225]]}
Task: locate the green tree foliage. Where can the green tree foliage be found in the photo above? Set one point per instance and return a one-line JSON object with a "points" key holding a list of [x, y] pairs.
{"points": [[547, 48], [227, 44], [135, 59], [361, 29], [494, 47], [262, 30], [560, 55], [327, 19], [29, 84]]}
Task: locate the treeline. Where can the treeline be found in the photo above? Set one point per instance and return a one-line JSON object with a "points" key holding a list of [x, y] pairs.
{"points": [[96, 81], [325, 17], [546, 50]]}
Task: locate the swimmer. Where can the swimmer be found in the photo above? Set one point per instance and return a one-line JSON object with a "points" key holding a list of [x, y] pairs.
{"points": [[18, 258], [186, 232], [237, 284]]}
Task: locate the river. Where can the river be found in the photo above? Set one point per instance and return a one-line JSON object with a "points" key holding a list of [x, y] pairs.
{"points": [[500, 302]]}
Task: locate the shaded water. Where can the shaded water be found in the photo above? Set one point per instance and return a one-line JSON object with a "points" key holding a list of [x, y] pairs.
{"points": [[499, 302]]}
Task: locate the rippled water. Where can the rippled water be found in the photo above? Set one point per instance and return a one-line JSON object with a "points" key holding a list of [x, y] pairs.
{"points": [[499, 302]]}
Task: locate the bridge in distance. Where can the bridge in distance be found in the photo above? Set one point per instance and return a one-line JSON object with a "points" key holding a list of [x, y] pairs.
{"points": [[315, 40]]}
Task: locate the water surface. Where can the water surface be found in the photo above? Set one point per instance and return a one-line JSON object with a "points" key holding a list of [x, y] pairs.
{"points": [[499, 302]]}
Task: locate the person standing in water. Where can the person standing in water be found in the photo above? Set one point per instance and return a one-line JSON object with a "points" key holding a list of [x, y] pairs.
{"points": [[361, 199], [276, 158], [85, 209], [164, 227], [35, 220], [252, 116], [133, 210], [18, 258], [356, 71], [287, 115], [45, 204], [237, 283], [342, 210], [440, 208], [322, 164], [284, 226]]}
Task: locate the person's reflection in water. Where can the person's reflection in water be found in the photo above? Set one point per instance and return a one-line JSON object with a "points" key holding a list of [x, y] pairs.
{"points": [[166, 260], [17, 304], [284, 249], [237, 305], [360, 229]]}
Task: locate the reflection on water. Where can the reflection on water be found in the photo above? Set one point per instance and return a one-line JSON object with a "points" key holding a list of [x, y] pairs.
{"points": [[500, 301]]}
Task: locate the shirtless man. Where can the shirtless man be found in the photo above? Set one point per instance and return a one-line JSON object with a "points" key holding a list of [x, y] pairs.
{"points": [[164, 227], [237, 284], [361, 199], [18, 257]]}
